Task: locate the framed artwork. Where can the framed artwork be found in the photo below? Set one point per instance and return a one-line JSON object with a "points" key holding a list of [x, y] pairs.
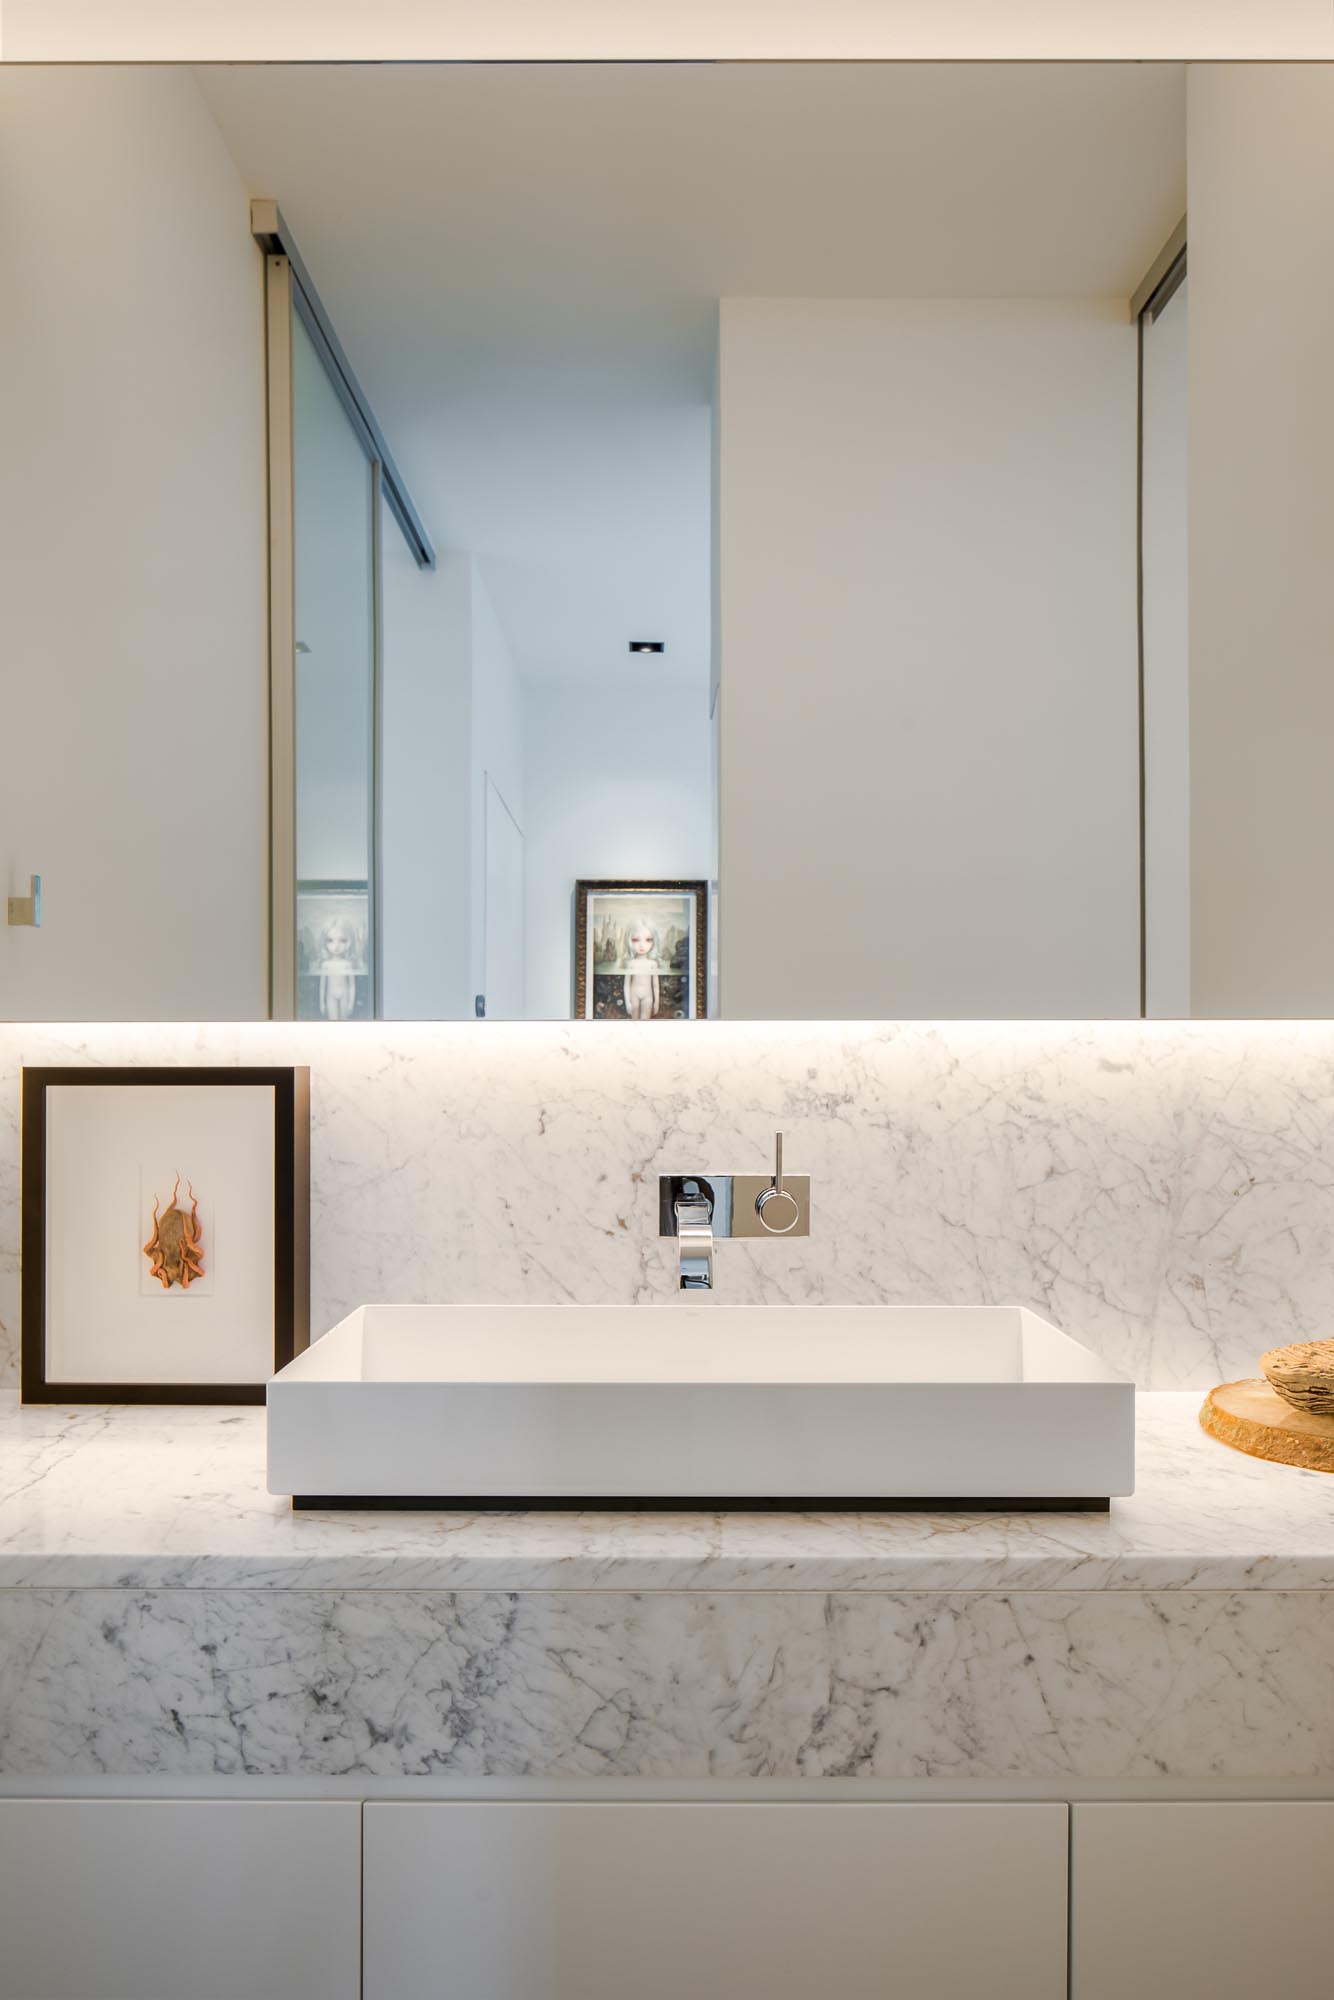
{"points": [[640, 951], [333, 952], [165, 1233]]}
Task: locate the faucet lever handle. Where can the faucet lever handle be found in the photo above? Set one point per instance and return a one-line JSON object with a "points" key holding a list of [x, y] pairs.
{"points": [[778, 1210]]}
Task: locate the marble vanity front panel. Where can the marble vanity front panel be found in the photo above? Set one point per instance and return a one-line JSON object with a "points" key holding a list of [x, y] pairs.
{"points": [[1164, 1191], [689, 1684]]}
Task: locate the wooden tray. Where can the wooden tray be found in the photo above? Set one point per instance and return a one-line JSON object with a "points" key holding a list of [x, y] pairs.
{"points": [[1252, 1417]]}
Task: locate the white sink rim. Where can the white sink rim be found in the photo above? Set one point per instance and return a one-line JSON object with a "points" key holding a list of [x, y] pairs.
{"points": [[724, 1404]]}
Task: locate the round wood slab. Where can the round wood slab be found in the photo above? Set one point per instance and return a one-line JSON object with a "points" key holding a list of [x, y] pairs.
{"points": [[1252, 1418]]}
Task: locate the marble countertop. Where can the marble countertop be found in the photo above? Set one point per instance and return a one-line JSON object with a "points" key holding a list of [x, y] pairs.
{"points": [[130, 1498]]}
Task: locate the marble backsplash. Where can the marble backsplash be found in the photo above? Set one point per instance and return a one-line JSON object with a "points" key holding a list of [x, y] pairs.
{"points": [[1164, 1191]]}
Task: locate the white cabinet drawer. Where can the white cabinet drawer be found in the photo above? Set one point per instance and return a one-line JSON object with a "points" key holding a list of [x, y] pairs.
{"points": [[179, 1900], [782, 1902], [1229, 1900]]}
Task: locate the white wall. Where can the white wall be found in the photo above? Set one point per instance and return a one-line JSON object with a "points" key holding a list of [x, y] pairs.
{"points": [[616, 784], [426, 780], [133, 738], [1261, 174], [929, 789]]}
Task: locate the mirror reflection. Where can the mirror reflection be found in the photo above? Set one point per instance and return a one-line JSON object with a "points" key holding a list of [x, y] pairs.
{"points": [[651, 542]]}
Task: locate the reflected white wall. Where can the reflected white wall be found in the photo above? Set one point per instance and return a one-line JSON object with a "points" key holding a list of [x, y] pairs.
{"points": [[452, 713], [617, 785], [1261, 532], [133, 612], [497, 734], [425, 791], [930, 762]]}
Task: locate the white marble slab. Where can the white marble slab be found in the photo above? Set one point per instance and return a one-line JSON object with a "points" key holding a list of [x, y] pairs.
{"points": [[1163, 1191], [138, 1498], [668, 1684]]}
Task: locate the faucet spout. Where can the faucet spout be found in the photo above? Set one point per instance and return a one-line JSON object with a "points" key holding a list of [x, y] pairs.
{"points": [[694, 1242]]}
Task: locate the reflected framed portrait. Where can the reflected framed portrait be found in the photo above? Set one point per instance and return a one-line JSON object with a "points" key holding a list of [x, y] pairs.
{"points": [[640, 951], [333, 952]]}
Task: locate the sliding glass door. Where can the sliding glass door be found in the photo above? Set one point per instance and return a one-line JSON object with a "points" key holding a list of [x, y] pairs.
{"points": [[1164, 328], [334, 516]]}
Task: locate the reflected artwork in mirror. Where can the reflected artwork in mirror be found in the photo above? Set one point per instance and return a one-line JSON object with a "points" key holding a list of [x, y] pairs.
{"points": [[855, 517], [333, 951], [641, 951]]}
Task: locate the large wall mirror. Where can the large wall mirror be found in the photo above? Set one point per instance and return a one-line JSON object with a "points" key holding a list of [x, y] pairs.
{"points": [[642, 542]]}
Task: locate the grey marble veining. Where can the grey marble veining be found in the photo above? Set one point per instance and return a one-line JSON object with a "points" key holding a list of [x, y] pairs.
{"points": [[667, 1684], [1163, 1191], [150, 1498]]}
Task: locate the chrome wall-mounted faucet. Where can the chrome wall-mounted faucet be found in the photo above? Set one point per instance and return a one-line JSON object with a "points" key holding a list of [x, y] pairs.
{"points": [[701, 1209], [693, 1212]]}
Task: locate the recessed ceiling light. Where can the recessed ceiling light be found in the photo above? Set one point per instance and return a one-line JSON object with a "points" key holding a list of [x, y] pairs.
{"points": [[648, 646]]}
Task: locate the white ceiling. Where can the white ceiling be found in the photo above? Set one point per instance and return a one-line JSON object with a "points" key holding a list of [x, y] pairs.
{"points": [[524, 262]]}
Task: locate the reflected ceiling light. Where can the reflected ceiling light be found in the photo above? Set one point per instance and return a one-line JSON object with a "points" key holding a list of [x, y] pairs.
{"points": [[648, 646]]}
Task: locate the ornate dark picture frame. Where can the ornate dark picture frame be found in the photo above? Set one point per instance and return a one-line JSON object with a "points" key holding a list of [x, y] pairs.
{"points": [[696, 892], [291, 1227]]}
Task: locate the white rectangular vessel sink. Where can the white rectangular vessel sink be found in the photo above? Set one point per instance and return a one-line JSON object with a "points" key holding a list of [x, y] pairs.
{"points": [[698, 1404]]}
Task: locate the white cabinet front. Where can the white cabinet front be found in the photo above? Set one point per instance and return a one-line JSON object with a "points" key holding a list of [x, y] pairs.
{"points": [[660, 1901], [113, 1899], [1228, 1900]]}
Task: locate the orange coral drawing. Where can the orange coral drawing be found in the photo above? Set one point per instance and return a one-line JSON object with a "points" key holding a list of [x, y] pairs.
{"points": [[176, 1248]]}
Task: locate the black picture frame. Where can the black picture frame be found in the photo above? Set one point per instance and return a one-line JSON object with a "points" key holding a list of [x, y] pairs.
{"points": [[291, 1224]]}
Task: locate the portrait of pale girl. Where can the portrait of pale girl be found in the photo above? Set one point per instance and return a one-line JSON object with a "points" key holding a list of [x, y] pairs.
{"points": [[338, 979], [643, 994]]}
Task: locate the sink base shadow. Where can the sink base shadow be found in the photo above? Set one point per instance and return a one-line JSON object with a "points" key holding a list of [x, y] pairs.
{"points": [[603, 1504]]}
